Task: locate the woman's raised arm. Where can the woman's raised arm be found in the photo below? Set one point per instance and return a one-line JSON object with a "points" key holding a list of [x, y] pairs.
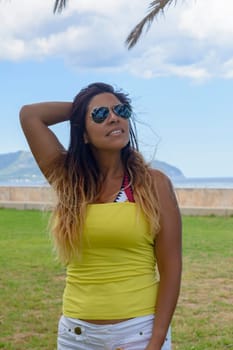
{"points": [[35, 121]]}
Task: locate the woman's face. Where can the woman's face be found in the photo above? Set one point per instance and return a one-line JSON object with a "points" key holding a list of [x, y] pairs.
{"points": [[113, 133]]}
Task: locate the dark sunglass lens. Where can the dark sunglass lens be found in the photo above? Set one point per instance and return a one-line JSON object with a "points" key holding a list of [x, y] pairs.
{"points": [[100, 114], [122, 110]]}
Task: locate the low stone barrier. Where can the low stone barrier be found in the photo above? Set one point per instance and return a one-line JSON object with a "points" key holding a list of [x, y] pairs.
{"points": [[192, 201], [205, 201], [26, 197]]}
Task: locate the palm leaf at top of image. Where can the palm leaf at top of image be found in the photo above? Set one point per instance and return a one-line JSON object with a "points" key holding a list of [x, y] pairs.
{"points": [[155, 7], [59, 5]]}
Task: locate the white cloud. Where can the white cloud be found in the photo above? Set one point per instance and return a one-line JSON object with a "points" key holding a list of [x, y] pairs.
{"points": [[155, 62], [228, 69], [194, 40], [23, 17], [13, 50], [208, 20], [82, 29]]}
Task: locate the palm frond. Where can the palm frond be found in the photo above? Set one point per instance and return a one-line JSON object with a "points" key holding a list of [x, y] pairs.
{"points": [[155, 8], [59, 5]]}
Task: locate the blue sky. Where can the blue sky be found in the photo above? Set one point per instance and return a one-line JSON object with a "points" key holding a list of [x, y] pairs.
{"points": [[179, 76]]}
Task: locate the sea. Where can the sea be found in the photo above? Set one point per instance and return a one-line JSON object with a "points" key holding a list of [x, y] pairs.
{"points": [[203, 182], [179, 182]]}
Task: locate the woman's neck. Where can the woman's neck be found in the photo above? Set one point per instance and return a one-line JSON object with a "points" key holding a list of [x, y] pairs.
{"points": [[110, 165]]}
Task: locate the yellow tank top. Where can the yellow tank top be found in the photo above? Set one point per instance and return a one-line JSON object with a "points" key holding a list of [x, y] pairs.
{"points": [[115, 277]]}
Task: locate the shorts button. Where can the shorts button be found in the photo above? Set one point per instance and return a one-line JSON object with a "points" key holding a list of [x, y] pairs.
{"points": [[78, 330]]}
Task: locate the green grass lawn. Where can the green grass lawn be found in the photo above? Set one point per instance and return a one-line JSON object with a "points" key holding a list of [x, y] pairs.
{"points": [[32, 282]]}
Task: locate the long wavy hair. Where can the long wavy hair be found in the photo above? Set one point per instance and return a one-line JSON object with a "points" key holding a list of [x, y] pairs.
{"points": [[77, 180]]}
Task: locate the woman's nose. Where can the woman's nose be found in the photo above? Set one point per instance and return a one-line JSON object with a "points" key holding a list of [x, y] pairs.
{"points": [[112, 117]]}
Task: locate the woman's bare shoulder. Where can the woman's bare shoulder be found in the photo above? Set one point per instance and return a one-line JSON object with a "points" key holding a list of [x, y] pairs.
{"points": [[159, 177], [164, 188]]}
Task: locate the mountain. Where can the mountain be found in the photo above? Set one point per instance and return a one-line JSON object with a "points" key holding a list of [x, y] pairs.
{"points": [[20, 168], [170, 170]]}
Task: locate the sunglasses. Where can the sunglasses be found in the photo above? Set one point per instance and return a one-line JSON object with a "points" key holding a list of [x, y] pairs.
{"points": [[99, 114]]}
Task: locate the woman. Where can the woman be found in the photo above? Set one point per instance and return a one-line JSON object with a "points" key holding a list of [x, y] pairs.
{"points": [[116, 224]]}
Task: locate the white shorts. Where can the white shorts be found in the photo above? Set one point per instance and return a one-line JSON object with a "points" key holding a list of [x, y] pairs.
{"points": [[133, 334]]}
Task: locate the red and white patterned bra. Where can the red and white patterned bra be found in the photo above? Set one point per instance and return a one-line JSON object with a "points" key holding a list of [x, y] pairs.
{"points": [[126, 192]]}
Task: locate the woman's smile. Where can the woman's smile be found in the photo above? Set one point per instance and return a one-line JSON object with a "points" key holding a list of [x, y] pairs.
{"points": [[115, 132]]}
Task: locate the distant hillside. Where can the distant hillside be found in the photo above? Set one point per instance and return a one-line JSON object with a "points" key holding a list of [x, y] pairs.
{"points": [[170, 170], [20, 168]]}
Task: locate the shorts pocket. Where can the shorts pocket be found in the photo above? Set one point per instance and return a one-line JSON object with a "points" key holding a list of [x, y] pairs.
{"points": [[69, 333], [140, 339], [136, 341]]}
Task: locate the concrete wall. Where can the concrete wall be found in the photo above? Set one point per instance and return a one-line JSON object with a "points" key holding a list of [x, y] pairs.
{"points": [[191, 201], [26, 197], [204, 201]]}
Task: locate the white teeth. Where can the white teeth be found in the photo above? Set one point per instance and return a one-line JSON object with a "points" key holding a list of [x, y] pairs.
{"points": [[115, 132]]}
